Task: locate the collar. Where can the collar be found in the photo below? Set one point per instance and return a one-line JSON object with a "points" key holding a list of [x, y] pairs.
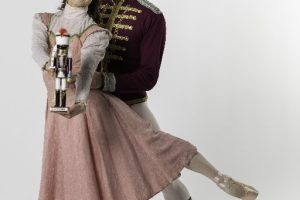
{"points": [[74, 12], [115, 1]]}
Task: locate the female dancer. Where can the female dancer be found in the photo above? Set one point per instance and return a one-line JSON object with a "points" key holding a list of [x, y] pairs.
{"points": [[102, 149]]}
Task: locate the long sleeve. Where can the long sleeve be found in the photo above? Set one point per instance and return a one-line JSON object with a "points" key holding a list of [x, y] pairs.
{"points": [[151, 53], [92, 52], [39, 46]]}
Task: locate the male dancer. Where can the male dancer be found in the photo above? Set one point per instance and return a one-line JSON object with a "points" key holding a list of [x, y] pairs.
{"points": [[132, 62], [131, 67]]}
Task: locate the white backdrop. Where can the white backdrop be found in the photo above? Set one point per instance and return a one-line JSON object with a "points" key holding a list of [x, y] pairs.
{"points": [[229, 83]]}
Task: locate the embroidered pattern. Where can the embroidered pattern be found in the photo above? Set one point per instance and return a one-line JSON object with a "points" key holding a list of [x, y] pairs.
{"points": [[116, 47], [109, 25], [114, 13], [122, 26], [132, 17], [126, 8], [115, 57], [122, 38], [112, 17], [149, 5], [132, 9]]}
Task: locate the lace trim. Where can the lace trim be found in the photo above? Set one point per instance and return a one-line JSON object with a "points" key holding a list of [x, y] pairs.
{"points": [[109, 82]]}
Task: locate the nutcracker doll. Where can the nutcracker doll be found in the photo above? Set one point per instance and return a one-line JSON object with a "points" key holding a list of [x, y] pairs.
{"points": [[61, 63]]}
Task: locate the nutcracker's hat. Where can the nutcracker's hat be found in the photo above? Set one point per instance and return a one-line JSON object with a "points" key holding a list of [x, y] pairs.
{"points": [[62, 37]]}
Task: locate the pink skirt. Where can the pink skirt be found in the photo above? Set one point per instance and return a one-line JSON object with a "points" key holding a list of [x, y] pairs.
{"points": [[108, 153]]}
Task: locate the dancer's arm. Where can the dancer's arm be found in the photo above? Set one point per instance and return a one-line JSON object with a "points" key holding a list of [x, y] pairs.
{"points": [[92, 53], [39, 45]]}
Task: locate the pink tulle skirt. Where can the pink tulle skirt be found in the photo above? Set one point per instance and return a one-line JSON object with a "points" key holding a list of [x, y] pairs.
{"points": [[108, 153]]}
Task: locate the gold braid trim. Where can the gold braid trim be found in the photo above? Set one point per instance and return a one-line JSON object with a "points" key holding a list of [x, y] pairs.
{"points": [[122, 38], [126, 8], [115, 57], [109, 25], [123, 26], [132, 9], [114, 13], [116, 47], [132, 17]]}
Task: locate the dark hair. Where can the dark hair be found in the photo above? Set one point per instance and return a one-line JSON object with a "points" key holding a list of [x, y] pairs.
{"points": [[63, 5], [93, 10]]}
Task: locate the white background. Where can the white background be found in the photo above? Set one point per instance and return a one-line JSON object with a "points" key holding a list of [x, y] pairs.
{"points": [[229, 83]]}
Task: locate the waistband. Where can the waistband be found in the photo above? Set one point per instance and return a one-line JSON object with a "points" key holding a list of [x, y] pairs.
{"points": [[136, 101]]}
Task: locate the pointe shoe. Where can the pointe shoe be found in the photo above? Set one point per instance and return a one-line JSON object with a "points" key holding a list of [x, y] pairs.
{"points": [[235, 188]]}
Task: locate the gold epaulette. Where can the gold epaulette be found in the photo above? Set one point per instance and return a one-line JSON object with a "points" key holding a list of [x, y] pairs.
{"points": [[150, 5]]}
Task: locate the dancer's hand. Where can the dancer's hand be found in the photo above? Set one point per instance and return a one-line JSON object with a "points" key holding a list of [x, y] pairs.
{"points": [[72, 79], [76, 109], [46, 68]]}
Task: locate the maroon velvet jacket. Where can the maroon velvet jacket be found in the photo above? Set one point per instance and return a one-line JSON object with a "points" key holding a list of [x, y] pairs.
{"points": [[136, 49]]}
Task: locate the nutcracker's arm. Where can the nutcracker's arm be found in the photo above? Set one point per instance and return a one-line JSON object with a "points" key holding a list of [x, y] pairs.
{"points": [[70, 77], [53, 60]]}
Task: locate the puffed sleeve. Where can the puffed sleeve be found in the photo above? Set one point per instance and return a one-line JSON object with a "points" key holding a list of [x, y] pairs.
{"points": [[151, 52], [39, 45], [92, 52]]}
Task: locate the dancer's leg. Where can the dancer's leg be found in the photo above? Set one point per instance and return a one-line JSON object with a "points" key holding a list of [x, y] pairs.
{"points": [[176, 190], [201, 165]]}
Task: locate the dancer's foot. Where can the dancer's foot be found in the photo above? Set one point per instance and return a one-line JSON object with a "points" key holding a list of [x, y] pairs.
{"points": [[235, 188]]}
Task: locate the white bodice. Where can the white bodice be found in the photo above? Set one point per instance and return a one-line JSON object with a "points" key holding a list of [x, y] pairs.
{"points": [[75, 21]]}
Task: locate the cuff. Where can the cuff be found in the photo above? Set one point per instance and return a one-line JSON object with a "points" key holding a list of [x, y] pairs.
{"points": [[109, 82]]}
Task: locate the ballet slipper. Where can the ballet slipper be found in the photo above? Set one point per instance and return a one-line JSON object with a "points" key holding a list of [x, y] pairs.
{"points": [[235, 188]]}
